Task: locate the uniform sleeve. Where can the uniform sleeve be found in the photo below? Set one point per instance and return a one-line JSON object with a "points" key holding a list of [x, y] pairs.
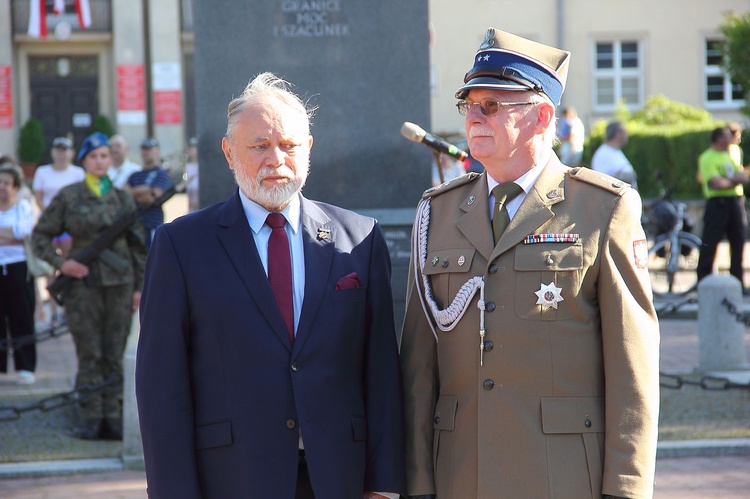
{"points": [[630, 338], [419, 366], [51, 223], [162, 377], [136, 243]]}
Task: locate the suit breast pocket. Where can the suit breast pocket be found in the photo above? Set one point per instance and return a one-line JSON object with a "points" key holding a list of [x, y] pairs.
{"points": [[538, 265]]}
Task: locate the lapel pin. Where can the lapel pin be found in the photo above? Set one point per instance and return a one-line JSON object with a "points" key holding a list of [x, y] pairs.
{"points": [[461, 260], [471, 200], [435, 260], [324, 234]]}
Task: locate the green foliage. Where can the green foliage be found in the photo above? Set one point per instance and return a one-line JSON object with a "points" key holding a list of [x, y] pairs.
{"points": [[103, 125], [736, 29], [31, 146], [665, 137]]}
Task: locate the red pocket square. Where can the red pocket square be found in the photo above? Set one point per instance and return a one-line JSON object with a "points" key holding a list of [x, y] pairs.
{"points": [[350, 281]]}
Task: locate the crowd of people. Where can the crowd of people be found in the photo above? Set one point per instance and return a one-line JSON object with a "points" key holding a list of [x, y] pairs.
{"points": [[67, 208]]}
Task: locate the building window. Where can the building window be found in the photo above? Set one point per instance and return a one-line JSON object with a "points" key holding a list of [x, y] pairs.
{"points": [[617, 75], [720, 91]]}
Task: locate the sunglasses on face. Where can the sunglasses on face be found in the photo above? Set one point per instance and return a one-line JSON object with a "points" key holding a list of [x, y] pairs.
{"points": [[488, 107]]}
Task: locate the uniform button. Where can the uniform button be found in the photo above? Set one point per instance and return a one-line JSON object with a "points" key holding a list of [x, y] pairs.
{"points": [[295, 366], [445, 263], [490, 307], [488, 384], [291, 424], [587, 423], [488, 345], [437, 419], [493, 268]]}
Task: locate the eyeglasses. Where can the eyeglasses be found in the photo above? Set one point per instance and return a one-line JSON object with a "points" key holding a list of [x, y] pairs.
{"points": [[488, 107]]}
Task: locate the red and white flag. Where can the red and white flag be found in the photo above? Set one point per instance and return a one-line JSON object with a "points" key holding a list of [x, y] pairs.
{"points": [[37, 19], [84, 13], [58, 7]]}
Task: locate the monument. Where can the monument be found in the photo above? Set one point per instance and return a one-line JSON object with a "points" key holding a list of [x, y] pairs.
{"points": [[364, 65]]}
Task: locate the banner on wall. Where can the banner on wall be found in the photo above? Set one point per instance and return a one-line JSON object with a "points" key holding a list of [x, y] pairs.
{"points": [[6, 97]]}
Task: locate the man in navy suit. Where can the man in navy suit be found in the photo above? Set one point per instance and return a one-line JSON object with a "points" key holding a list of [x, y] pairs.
{"points": [[237, 400]]}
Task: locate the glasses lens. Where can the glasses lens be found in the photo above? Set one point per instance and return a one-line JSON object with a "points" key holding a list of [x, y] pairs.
{"points": [[489, 107], [463, 107]]}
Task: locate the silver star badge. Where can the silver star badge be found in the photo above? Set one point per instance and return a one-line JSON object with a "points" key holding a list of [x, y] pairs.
{"points": [[549, 296]]}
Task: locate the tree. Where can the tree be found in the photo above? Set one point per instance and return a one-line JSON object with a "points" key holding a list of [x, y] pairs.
{"points": [[103, 125], [31, 142], [736, 30]]}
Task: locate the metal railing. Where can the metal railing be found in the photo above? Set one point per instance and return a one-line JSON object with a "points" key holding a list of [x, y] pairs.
{"points": [[101, 17]]}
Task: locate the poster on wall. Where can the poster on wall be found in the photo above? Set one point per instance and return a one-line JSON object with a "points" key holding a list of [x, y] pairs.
{"points": [[6, 97], [167, 93], [131, 95]]}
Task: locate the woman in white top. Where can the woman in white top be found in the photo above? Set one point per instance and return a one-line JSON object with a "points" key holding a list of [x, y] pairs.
{"points": [[16, 286]]}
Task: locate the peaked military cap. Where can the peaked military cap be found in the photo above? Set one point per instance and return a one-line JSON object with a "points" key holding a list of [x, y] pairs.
{"points": [[508, 62]]}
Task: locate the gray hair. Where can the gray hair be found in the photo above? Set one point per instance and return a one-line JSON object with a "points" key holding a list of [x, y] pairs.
{"points": [[613, 128], [265, 86]]}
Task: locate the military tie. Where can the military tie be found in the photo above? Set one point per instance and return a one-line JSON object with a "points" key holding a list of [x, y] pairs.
{"points": [[280, 269], [503, 193]]}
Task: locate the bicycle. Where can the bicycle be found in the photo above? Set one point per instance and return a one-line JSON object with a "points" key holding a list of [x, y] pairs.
{"points": [[673, 257]]}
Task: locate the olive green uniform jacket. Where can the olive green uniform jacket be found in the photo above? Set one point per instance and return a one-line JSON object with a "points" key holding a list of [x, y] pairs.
{"points": [[565, 404], [79, 212]]}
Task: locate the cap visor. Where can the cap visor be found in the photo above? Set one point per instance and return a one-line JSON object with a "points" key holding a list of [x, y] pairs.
{"points": [[489, 83]]}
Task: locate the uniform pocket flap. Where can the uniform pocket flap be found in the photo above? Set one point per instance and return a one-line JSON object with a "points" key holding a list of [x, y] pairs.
{"points": [[449, 260], [572, 414], [213, 435], [445, 413], [549, 256], [359, 429]]}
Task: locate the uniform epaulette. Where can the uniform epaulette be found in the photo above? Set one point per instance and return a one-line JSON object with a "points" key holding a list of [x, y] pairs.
{"points": [[601, 180], [450, 184]]}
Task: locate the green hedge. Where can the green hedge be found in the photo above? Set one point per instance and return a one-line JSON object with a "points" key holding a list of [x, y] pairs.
{"points": [[665, 137]]}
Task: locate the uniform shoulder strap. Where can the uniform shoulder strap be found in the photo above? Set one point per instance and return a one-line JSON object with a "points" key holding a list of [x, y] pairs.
{"points": [[451, 184], [598, 179]]}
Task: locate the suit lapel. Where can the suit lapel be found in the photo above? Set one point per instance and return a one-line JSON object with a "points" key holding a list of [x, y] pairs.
{"points": [[536, 208], [236, 236], [319, 238]]}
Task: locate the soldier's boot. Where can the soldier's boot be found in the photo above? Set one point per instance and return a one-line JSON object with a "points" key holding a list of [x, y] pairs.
{"points": [[90, 429], [112, 429]]}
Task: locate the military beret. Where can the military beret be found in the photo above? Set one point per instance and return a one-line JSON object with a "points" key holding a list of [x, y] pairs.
{"points": [[93, 141]]}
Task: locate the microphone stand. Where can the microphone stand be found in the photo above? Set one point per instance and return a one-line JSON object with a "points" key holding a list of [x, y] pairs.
{"points": [[438, 155]]}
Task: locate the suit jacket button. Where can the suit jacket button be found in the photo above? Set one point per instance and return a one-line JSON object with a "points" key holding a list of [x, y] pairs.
{"points": [[291, 424], [490, 307], [493, 268], [437, 419], [587, 423], [488, 345], [488, 384], [295, 366]]}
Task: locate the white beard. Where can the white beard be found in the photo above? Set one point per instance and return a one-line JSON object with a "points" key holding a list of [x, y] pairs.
{"points": [[274, 198]]}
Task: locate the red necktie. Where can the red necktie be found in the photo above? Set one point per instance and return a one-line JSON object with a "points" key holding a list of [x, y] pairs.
{"points": [[280, 269]]}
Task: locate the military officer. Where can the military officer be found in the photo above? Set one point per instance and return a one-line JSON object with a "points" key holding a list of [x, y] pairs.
{"points": [[530, 343], [103, 296]]}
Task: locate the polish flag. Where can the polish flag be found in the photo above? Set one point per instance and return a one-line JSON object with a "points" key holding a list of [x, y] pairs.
{"points": [[58, 7], [84, 13], [37, 19]]}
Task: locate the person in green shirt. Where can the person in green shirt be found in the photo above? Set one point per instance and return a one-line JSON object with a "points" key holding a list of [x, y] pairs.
{"points": [[725, 214]]}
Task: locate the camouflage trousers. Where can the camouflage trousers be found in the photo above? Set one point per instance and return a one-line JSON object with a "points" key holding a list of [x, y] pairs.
{"points": [[99, 319]]}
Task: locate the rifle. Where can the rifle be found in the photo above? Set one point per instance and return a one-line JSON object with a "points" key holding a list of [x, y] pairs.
{"points": [[100, 246]]}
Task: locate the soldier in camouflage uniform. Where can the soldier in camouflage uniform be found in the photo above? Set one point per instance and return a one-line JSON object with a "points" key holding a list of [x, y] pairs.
{"points": [[103, 296]]}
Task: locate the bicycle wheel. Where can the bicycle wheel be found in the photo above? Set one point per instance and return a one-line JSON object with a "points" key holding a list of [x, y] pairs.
{"points": [[674, 282]]}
